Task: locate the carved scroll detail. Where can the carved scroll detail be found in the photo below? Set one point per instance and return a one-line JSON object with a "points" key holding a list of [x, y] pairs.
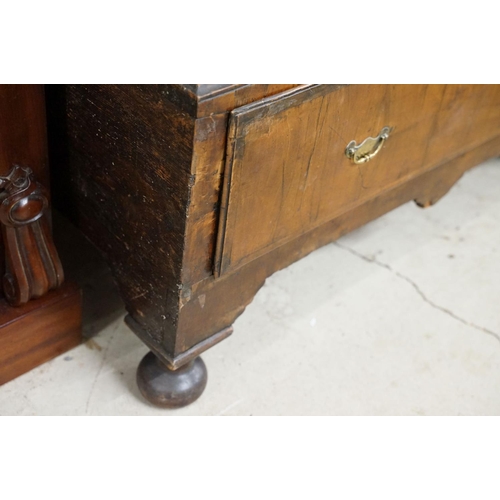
{"points": [[32, 265]]}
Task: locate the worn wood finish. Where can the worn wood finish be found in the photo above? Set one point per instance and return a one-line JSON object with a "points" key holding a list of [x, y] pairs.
{"points": [[287, 171], [167, 388], [200, 100], [32, 264], [122, 156], [23, 135], [217, 302], [142, 169], [127, 171], [29, 264], [38, 331]]}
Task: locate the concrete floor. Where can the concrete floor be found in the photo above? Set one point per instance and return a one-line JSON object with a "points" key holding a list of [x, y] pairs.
{"points": [[401, 317]]}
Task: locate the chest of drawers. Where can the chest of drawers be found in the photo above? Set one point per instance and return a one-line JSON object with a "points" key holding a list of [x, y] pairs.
{"points": [[197, 193]]}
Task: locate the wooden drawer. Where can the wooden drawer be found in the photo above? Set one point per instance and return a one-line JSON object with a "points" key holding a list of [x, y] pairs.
{"points": [[287, 171]]}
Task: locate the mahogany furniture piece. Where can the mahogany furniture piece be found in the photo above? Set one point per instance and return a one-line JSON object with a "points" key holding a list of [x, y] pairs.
{"points": [[197, 193], [39, 331], [39, 316]]}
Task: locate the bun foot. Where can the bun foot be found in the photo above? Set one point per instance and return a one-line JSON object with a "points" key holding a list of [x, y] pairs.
{"points": [[167, 388]]}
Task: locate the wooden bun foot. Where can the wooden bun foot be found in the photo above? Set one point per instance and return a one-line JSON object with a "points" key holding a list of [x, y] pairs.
{"points": [[168, 388]]}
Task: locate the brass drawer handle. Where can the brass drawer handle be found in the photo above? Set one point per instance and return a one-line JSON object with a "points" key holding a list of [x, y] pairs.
{"points": [[368, 148]]}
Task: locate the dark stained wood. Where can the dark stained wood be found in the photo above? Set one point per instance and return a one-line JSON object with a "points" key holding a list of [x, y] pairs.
{"points": [[126, 171], [32, 265], [122, 170], [175, 362], [141, 169], [171, 389], [209, 99], [23, 135], [38, 331], [29, 264]]}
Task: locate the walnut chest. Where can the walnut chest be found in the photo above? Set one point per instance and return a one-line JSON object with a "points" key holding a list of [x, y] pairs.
{"points": [[197, 193]]}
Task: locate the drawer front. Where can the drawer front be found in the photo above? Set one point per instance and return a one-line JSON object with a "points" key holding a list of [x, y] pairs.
{"points": [[287, 171]]}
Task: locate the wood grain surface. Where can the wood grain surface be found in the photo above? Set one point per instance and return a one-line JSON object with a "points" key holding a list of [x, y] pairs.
{"points": [[141, 169], [287, 171], [23, 133], [43, 328], [38, 331]]}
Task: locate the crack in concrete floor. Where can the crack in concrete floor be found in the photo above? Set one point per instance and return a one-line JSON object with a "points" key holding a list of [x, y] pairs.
{"points": [[418, 290]]}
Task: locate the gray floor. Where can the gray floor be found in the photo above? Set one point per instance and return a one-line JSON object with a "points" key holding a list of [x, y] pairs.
{"points": [[400, 317]]}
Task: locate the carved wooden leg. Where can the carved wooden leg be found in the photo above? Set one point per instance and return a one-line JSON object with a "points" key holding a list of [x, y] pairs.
{"points": [[32, 265], [168, 388]]}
